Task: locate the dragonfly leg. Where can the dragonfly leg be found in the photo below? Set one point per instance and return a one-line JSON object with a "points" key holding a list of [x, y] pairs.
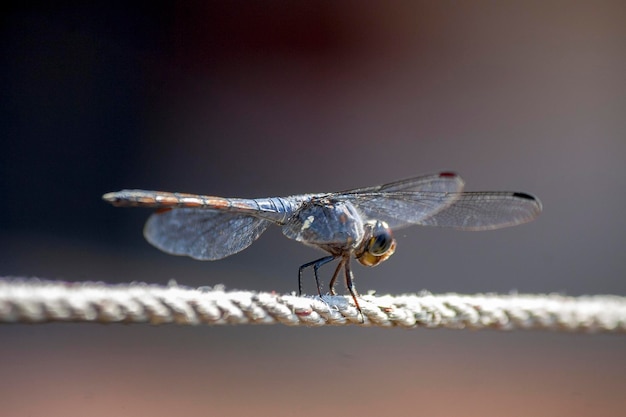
{"points": [[316, 265], [335, 275], [351, 288]]}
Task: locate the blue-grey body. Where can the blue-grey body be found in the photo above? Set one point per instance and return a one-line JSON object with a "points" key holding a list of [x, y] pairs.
{"points": [[355, 223]]}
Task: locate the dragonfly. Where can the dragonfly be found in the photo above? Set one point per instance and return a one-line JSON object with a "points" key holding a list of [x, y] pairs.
{"points": [[357, 223]]}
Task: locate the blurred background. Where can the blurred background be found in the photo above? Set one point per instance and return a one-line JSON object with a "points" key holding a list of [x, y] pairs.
{"points": [[254, 99]]}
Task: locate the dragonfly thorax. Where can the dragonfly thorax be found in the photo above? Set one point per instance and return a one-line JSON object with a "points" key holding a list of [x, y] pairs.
{"points": [[378, 243], [332, 225]]}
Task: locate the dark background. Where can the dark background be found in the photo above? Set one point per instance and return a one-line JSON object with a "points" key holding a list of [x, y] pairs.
{"points": [[248, 99]]}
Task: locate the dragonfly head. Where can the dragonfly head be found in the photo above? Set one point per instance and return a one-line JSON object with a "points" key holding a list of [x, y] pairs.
{"points": [[378, 244]]}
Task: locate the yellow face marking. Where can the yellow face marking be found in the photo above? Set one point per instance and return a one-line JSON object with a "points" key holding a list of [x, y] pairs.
{"points": [[368, 259]]}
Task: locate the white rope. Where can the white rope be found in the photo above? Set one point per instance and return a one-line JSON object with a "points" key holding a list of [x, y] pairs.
{"points": [[36, 301]]}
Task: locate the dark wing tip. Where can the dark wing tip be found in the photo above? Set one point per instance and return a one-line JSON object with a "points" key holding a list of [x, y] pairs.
{"points": [[525, 195], [530, 197], [448, 174]]}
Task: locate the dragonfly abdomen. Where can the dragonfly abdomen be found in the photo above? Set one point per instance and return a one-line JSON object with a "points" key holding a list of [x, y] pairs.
{"points": [[162, 199], [276, 209]]}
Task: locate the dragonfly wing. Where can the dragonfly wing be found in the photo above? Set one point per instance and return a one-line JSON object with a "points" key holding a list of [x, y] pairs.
{"points": [[442, 182], [202, 234], [408, 201], [486, 211]]}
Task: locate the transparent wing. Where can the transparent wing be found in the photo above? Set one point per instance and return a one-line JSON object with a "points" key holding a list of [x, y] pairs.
{"points": [[486, 211], [202, 234], [408, 201], [443, 182]]}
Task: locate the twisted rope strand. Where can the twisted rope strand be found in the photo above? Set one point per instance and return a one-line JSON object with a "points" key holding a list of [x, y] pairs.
{"points": [[37, 301]]}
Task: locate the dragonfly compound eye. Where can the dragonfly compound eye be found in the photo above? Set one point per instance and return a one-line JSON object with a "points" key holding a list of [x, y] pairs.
{"points": [[380, 243], [379, 246]]}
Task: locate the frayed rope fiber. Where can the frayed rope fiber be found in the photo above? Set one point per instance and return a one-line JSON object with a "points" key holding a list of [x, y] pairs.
{"points": [[39, 301]]}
